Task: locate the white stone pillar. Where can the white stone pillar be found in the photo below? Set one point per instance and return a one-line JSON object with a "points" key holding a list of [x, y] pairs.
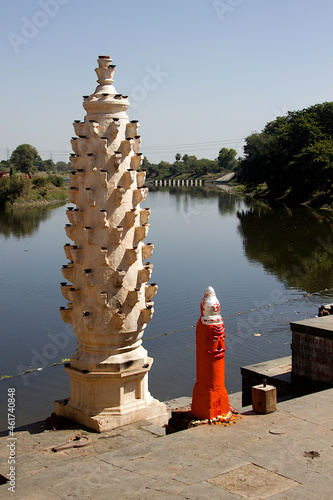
{"points": [[109, 295]]}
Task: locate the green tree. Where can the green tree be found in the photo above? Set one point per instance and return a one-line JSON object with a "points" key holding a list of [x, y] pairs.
{"points": [[61, 166], [178, 157], [145, 163], [191, 159], [50, 165], [10, 189], [227, 159], [292, 155], [24, 158], [164, 165], [186, 163], [185, 159], [203, 167], [254, 167], [4, 165], [152, 170], [175, 169], [314, 166], [40, 165], [56, 180]]}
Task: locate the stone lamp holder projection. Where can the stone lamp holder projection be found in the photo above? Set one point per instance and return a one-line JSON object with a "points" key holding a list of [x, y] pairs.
{"points": [[109, 297]]}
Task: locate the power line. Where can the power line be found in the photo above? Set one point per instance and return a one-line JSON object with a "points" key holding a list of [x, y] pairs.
{"points": [[193, 144], [161, 149]]}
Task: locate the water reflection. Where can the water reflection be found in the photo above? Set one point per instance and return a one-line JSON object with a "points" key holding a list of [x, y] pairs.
{"points": [[293, 244], [227, 202], [24, 221]]}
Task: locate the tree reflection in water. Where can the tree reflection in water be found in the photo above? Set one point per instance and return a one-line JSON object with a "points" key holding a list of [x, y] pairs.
{"points": [[227, 202], [22, 222], [295, 245]]}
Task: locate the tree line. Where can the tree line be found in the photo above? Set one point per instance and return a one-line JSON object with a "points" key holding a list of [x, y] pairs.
{"points": [[291, 159], [25, 159], [192, 166]]}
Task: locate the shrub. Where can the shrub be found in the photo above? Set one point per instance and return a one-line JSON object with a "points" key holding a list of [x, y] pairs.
{"points": [[39, 182], [56, 180], [10, 189]]}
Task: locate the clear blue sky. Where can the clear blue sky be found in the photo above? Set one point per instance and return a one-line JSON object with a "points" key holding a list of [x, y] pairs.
{"points": [[200, 74]]}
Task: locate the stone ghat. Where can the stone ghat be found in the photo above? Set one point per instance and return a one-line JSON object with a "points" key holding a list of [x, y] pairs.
{"points": [[285, 454]]}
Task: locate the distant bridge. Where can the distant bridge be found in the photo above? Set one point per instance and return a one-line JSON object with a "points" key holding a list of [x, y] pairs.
{"points": [[179, 182]]}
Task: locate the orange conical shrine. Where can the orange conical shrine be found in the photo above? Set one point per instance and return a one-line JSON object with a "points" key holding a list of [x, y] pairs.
{"points": [[210, 398]]}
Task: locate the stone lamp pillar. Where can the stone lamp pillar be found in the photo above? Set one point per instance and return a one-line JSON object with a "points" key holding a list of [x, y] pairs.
{"points": [[109, 297]]}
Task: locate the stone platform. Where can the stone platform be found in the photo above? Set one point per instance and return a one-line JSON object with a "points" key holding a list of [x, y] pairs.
{"points": [[287, 454]]}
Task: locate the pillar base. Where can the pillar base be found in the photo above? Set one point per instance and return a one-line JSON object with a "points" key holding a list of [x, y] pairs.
{"points": [[105, 400], [109, 419]]}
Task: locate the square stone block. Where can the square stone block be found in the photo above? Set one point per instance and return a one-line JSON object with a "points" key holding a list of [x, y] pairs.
{"points": [[264, 398]]}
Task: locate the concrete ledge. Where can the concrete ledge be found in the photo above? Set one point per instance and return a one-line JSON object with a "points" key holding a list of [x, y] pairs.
{"points": [[312, 348], [322, 327]]}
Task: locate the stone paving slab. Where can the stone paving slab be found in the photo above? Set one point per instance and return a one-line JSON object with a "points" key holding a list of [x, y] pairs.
{"points": [[252, 482], [139, 462], [315, 408], [205, 491]]}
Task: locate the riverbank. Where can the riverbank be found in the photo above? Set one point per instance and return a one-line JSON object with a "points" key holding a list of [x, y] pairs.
{"points": [[20, 192], [283, 455], [258, 193], [261, 193], [47, 191], [26, 203]]}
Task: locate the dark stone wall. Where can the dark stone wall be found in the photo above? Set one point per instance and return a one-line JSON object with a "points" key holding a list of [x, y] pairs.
{"points": [[312, 349]]}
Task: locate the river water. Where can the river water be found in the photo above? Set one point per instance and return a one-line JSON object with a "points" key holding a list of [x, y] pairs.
{"points": [[268, 265]]}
